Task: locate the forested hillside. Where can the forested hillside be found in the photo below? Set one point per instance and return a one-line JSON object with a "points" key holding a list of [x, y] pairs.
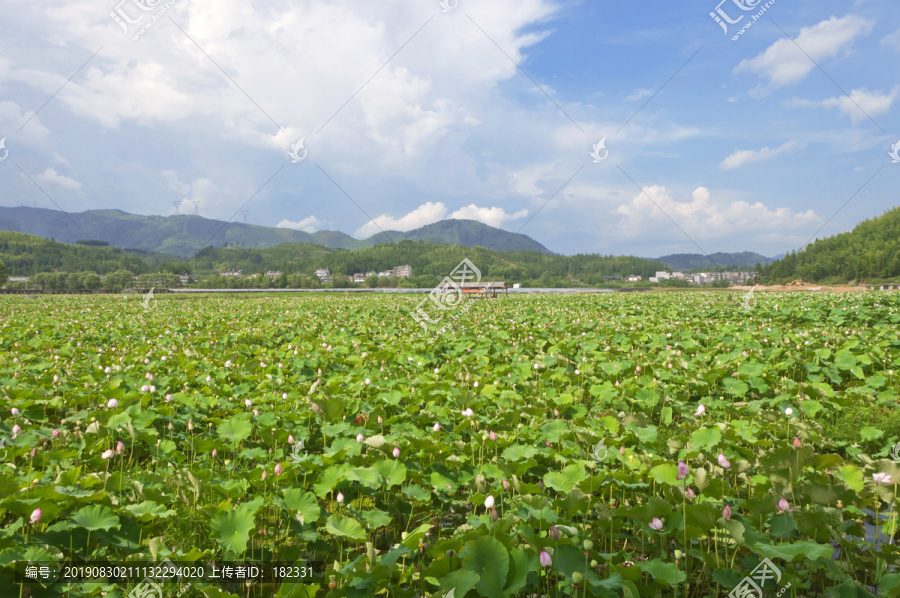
{"points": [[869, 252]]}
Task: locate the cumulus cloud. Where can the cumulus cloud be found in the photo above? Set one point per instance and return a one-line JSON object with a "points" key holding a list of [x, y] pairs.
{"points": [[431, 212], [701, 218], [783, 63], [308, 225], [491, 216], [639, 94], [741, 157], [861, 105], [891, 41], [51, 177], [200, 189]]}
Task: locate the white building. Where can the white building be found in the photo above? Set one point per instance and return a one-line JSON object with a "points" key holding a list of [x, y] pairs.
{"points": [[635, 278], [359, 277], [402, 271], [662, 276], [323, 274]]}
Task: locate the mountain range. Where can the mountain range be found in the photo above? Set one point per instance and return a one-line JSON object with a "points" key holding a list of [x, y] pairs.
{"points": [[185, 235]]}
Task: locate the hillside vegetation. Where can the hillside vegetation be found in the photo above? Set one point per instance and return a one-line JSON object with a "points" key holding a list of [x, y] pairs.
{"points": [[870, 252]]}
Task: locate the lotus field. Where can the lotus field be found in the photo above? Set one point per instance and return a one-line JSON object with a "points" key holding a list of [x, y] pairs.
{"points": [[620, 444]]}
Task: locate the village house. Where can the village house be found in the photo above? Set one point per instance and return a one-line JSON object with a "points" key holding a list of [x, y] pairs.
{"points": [[324, 275]]}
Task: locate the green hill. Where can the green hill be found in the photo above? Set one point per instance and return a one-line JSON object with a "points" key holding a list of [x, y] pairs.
{"points": [[25, 255], [184, 235], [870, 252], [694, 261]]}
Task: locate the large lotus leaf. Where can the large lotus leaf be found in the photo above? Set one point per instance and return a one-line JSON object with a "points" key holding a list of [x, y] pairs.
{"points": [[806, 551], [231, 529], [345, 526], [96, 517], [564, 481], [487, 557], [236, 429]]}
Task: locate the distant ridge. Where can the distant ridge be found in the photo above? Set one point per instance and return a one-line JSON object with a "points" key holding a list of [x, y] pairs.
{"points": [[692, 261], [185, 235]]}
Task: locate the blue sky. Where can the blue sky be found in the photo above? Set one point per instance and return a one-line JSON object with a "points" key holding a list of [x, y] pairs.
{"points": [[753, 144]]}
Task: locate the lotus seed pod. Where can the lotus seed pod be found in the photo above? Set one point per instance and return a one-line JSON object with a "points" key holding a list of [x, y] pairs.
{"points": [[588, 545]]}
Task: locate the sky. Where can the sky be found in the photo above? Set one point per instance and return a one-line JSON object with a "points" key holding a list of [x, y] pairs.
{"points": [[591, 126]]}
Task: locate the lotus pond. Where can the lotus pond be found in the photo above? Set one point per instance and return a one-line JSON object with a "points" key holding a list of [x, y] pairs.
{"points": [[620, 445]]}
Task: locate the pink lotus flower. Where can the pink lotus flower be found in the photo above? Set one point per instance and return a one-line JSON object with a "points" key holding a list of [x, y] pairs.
{"points": [[796, 442], [505, 485], [545, 558], [145, 388], [701, 409], [492, 435], [883, 478], [255, 413], [16, 429], [724, 463], [489, 502], [15, 411], [278, 469], [168, 398], [54, 433], [36, 516], [152, 388], [682, 470], [290, 439], [120, 448], [689, 493], [248, 402], [264, 475], [656, 524], [112, 403], [107, 454], [360, 437], [436, 427], [726, 512], [783, 505], [340, 497], [468, 412], [396, 452]]}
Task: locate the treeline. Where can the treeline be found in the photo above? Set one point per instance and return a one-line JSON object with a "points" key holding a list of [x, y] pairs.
{"points": [[869, 252], [25, 255], [90, 281]]}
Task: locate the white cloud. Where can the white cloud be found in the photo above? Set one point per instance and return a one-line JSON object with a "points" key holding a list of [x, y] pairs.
{"points": [[200, 189], [51, 177], [639, 94], [703, 219], [861, 104], [309, 225], [491, 216], [427, 213], [784, 63], [892, 40], [431, 212], [741, 157]]}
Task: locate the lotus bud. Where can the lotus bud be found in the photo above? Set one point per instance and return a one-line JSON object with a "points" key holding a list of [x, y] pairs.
{"points": [[621, 450], [340, 497], [255, 413], [796, 442], [723, 461], [107, 454], [54, 433], [783, 505], [215, 453], [380, 421], [689, 493], [15, 411], [360, 437], [545, 558], [436, 427], [492, 435], [682, 470], [278, 469], [576, 578], [489, 502], [726, 512], [120, 448], [112, 403], [588, 545], [505, 485], [656, 524], [36, 516], [553, 533], [264, 475]]}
